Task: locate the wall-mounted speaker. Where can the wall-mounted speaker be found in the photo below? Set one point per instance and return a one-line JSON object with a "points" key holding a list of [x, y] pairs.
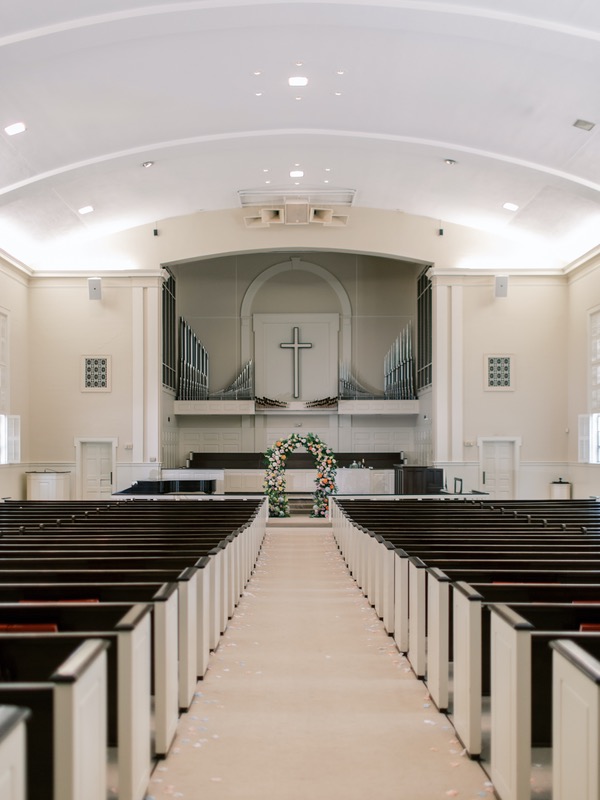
{"points": [[501, 286], [95, 288]]}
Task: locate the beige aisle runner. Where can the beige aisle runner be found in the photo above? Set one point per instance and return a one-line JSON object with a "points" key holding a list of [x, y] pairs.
{"points": [[307, 697]]}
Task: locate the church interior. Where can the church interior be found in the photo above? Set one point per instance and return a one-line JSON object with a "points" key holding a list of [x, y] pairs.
{"points": [[231, 224], [130, 167]]}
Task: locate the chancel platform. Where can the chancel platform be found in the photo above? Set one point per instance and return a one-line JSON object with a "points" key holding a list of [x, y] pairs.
{"points": [[243, 473]]}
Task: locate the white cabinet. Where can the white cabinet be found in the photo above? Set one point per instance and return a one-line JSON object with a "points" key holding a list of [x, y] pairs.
{"points": [[48, 485]]}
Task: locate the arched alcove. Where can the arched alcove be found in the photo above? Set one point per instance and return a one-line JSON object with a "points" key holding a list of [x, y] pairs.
{"points": [[299, 265]]}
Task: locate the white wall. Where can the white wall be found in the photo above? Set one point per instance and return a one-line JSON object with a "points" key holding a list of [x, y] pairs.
{"points": [[64, 326], [53, 324], [543, 322], [369, 231], [530, 326]]}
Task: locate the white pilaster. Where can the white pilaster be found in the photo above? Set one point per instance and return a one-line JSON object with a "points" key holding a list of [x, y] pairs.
{"points": [[146, 368], [447, 368]]}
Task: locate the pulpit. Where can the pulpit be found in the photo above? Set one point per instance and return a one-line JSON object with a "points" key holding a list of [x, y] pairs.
{"points": [[418, 479]]}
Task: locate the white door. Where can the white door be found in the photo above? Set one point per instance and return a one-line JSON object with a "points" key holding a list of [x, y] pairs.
{"points": [[96, 470], [498, 464]]}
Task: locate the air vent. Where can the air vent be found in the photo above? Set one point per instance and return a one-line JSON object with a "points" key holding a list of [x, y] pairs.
{"points": [[259, 198], [584, 124]]}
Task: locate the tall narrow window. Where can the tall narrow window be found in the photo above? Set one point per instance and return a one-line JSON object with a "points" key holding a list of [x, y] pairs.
{"points": [[10, 424], [595, 362], [3, 363], [589, 424], [424, 332], [169, 334]]}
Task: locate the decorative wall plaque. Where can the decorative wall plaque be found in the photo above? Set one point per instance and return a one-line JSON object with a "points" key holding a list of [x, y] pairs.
{"points": [[499, 373], [96, 374]]}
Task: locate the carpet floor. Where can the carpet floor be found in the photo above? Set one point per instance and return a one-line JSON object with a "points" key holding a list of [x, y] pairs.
{"points": [[308, 697]]}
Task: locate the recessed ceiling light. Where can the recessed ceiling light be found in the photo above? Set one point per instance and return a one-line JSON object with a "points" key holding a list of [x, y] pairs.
{"points": [[296, 173], [267, 181], [86, 209], [296, 183], [297, 80], [258, 94], [147, 164], [450, 161], [257, 72], [299, 63], [265, 170], [327, 169], [298, 98], [340, 72], [325, 181], [511, 206], [338, 94], [297, 164], [584, 124], [17, 127]]}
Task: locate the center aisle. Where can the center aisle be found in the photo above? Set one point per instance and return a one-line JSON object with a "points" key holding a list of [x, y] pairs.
{"points": [[307, 697]]}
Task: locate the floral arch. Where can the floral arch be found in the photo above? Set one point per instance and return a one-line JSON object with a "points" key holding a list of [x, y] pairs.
{"points": [[274, 484]]}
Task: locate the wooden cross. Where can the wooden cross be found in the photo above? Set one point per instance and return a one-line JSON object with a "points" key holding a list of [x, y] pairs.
{"points": [[296, 346]]}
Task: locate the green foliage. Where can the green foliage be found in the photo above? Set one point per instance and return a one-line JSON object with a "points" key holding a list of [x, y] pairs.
{"points": [[274, 483]]}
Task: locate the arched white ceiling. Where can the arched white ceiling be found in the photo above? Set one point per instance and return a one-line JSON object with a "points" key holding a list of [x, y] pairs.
{"points": [[395, 89]]}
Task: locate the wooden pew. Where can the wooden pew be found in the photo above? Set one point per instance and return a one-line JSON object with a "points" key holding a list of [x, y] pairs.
{"points": [[575, 716], [438, 560], [68, 606], [63, 681], [438, 607], [13, 758], [220, 570], [128, 676], [70, 560], [471, 640], [230, 563], [580, 568], [135, 567], [163, 597], [233, 572], [401, 569], [467, 633], [520, 648], [191, 632]]}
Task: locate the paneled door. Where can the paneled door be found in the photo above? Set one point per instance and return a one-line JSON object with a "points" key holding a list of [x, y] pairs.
{"points": [[498, 467], [96, 470]]}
